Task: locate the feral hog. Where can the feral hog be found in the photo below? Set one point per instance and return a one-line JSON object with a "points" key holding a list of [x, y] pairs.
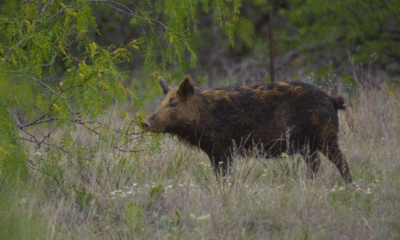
{"points": [[216, 120]]}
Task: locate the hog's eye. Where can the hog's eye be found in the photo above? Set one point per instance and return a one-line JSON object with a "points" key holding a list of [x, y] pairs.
{"points": [[173, 104]]}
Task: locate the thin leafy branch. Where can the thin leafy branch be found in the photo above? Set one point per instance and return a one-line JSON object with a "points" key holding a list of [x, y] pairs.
{"points": [[67, 79], [52, 176]]}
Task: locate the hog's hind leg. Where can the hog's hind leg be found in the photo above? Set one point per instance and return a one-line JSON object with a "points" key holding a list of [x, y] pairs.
{"points": [[335, 155]]}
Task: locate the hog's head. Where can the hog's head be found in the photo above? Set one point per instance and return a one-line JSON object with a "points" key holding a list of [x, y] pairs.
{"points": [[177, 112]]}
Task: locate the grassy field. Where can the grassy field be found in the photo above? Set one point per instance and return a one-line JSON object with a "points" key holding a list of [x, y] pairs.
{"points": [[94, 191]]}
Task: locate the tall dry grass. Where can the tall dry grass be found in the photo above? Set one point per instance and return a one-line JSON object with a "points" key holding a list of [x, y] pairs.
{"points": [[262, 198]]}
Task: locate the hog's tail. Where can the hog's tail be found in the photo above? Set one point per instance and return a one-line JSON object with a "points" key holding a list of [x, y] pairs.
{"points": [[338, 103]]}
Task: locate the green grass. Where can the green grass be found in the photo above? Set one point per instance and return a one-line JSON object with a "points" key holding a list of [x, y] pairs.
{"points": [[20, 217], [173, 194]]}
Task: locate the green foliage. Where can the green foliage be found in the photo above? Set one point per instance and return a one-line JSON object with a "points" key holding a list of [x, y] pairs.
{"points": [[135, 216], [178, 22], [17, 221], [55, 74], [361, 23], [154, 144], [288, 166], [34, 41], [156, 192], [166, 223], [65, 77], [350, 84], [175, 167], [12, 158], [39, 44], [85, 200]]}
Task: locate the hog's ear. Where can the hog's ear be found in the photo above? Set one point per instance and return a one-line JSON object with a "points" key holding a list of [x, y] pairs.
{"points": [[164, 86], [186, 88]]}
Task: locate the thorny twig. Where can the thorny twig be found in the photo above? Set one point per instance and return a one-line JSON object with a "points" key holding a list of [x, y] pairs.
{"points": [[43, 119], [78, 121], [45, 143], [45, 173]]}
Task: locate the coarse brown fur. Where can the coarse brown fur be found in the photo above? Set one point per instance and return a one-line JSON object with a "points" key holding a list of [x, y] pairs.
{"points": [[258, 116]]}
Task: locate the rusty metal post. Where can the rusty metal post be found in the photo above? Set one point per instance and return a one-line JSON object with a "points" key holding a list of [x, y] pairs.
{"points": [[271, 45]]}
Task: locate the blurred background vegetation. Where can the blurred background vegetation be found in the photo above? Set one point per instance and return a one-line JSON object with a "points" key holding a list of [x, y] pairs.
{"points": [[314, 33], [76, 65], [336, 29]]}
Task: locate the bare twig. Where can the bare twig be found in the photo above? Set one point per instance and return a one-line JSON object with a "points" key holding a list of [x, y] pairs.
{"points": [[26, 12], [47, 174], [47, 136], [93, 129], [44, 9], [130, 13], [17, 120], [45, 143], [39, 6], [43, 84], [75, 86], [38, 121], [50, 63], [32, 137], [7, 58]]}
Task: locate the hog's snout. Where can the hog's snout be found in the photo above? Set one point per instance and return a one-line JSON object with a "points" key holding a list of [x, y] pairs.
{"points": [[146, 125]]}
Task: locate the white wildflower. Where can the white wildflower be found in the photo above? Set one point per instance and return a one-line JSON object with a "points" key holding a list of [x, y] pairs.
{"points": [[203, 217]]}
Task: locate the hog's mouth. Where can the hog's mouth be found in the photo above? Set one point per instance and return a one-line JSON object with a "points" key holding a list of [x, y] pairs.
{"points": [[146, 126]]}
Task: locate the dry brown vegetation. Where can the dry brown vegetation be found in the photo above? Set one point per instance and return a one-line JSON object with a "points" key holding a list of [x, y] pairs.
{"points": [[261, 199]]}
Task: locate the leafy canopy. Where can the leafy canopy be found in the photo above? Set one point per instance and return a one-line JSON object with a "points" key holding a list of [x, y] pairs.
{"points": [[47, 45], [53, 72], [369, 27]]}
